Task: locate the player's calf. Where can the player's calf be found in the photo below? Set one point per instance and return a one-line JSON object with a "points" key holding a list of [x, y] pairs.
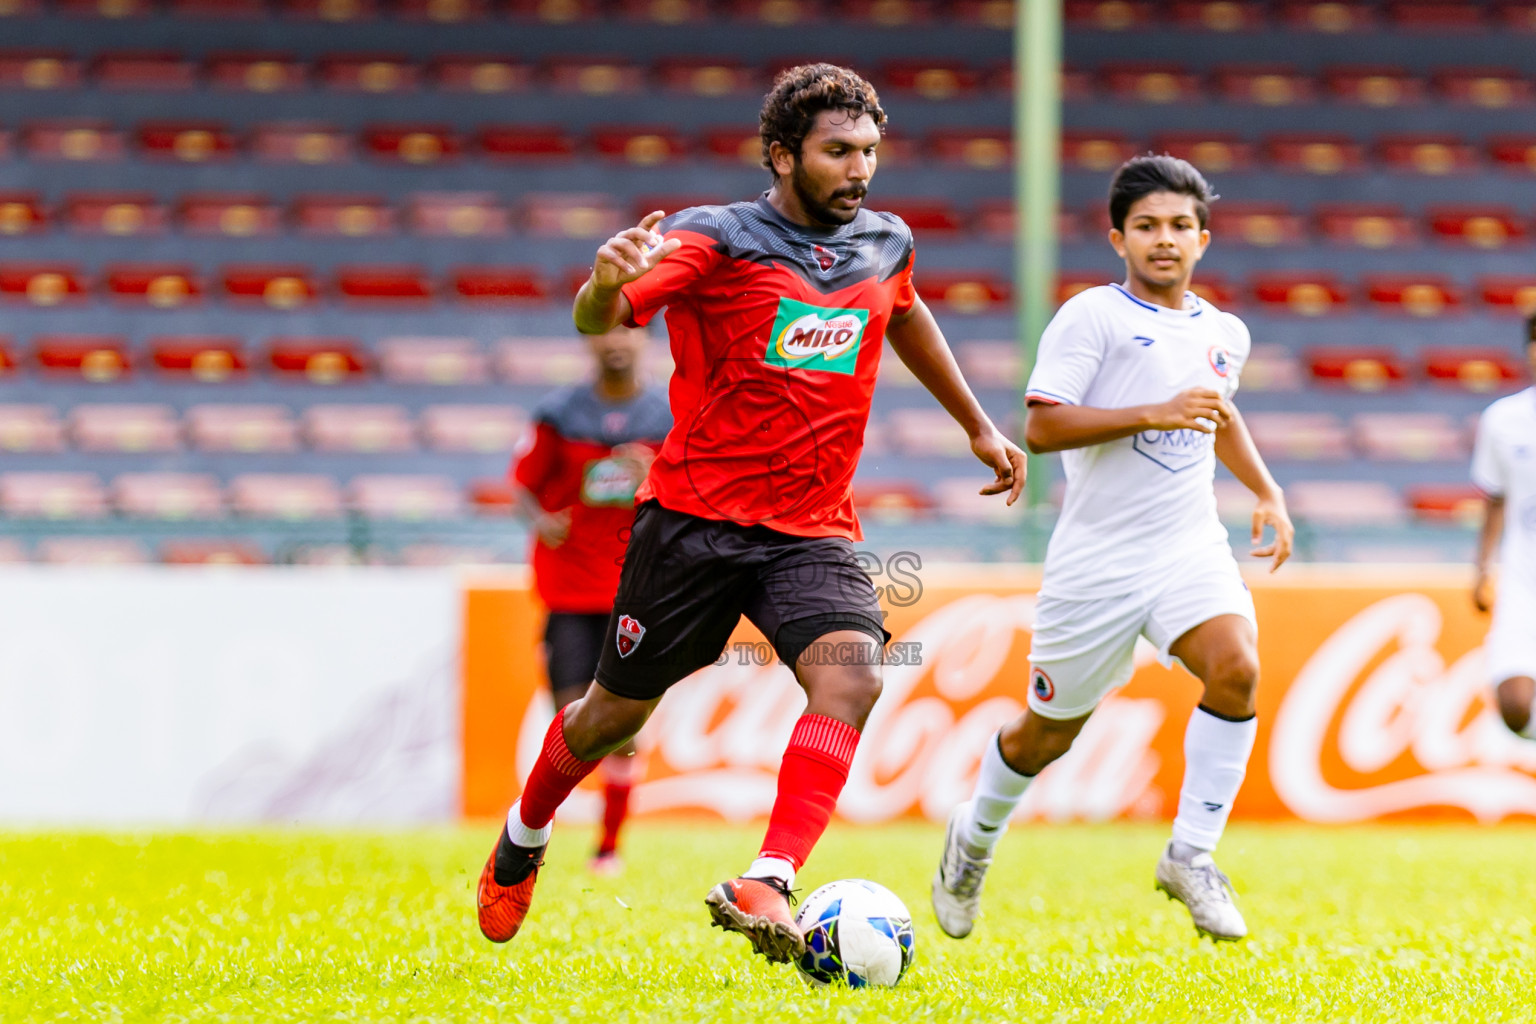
{"points": [[1516, 699]]}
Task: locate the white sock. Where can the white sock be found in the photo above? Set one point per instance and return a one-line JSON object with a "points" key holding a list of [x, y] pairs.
{"points": [[772, 867], [522, 835], [998, 791], [1215, 761]]}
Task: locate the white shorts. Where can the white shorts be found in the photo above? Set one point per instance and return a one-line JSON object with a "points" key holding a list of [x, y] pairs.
{"points": [[1082, 650], [1511, 644]]}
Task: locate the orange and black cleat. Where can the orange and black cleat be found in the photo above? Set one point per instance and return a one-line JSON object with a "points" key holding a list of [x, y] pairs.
{"points": [[506, 887], [759, 909]]}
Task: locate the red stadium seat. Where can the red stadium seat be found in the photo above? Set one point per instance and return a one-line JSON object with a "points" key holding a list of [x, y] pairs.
{"points": [[30, 428], [643, 146], [373, 73], [1212, 152], [383, 283], [231, 214], [294, 496], [279, 286], [487, 75], [52, 495], [527, 142], [963, 292], [405, 496], [778, 13], [1483, 227], [937, 80], [443, 12], [20, 9], [78, 140], [22, 213], [958, 499], [1344, 502], [735, 145], [211, 552], [168, 496], [541, 360], [1315, 154], [1109, 15], [124, 428], [1415, 436], [594, 77], [1475, 369], [1513, 152], [190, 142], [555, 12], [669, 204], [338, 12], [1363, 368], [1373, 85], [318, 360], [666, 12], [1331, 16], [1299, 436], [980, 148], [412, 144], [1304, 293], [1493, 88], [359, 428], [923, 433], [241, 428], [160, 285], [994, 219], [92, 551], [222, 10], [1419, 295], [113, 213], [349, 216], [1091, 151], [458, 215], [39, 70], [891, 500], [587, 215], [135, 72], [990, 363], [890, 13], [1437, 16], [8, 363], [1446, 503], [97, 358], [1219, 15], [1519, 15], [41, 284], [493, 497], [435, 361], [1216, 289], [1427, 154], [1074, 282], [1271, 367], [205, 359], [116, 10], [929, 219], [705, 76], [1511, 294], [1367, 225], [431, 556], [501, 284], [1150, 82], [473, 428], [300, 142], [1264, 225], [1267, 85]]}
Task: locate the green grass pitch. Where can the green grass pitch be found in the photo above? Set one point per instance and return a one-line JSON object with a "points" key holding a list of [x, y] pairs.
{"points": [[1358, 924]]}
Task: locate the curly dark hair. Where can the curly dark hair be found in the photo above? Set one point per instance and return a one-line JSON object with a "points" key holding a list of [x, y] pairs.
{"points": [[800, 93]]}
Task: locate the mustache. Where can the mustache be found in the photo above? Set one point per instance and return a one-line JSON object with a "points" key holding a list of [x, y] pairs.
{"points": [[850, 192]]}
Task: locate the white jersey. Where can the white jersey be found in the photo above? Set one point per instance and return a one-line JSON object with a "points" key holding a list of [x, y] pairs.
{"points": [[1504, 466], [1137, 506]]}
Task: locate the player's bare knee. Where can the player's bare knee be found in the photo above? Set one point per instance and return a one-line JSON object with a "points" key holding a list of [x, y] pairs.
{"points": [[1232, 684]]}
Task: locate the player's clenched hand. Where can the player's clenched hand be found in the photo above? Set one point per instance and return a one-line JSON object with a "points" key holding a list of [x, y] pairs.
{"points": [[553, 527], [1271, 512], [1195, 409], [639, 455], [1007, 461], [1482, 591], [631, 253]]}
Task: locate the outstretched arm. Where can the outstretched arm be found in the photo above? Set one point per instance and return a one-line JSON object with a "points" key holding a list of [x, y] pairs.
{"points": [[1236, 450], [1051, 427], [627, 256], [920, 344]]}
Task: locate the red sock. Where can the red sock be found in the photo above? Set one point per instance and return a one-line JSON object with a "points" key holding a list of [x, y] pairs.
{"points": [[615, 810], [554, 775], [811, 776]]}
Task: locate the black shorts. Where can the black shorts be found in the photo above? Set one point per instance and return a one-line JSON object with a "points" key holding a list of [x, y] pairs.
{"points": [[572, 641], [687, 581]]}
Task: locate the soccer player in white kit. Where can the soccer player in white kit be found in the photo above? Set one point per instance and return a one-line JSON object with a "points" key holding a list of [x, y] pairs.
{"points": [[1504, 469], [1133, 384]]}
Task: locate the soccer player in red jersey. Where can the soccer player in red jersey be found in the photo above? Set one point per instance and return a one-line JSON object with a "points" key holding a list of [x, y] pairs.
{"points": [[575, 482], [776, 310]]}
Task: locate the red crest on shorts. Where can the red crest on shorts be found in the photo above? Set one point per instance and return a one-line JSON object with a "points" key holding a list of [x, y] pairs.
{"points": [[630, 633]]}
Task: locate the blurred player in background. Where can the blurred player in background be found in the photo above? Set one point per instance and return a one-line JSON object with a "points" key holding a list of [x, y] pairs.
{"points": [[776, 309], [1134, 385], [1504, 468], [591, 446]]}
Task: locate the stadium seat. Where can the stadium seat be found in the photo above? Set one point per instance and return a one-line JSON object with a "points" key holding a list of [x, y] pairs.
{"points": [[1264, 225], [1493, 88], [929, 219], [487, 75], [331, 555], [205, 359], [1212, 152], [541, 360], [1150, 82], [1435, 16], [419, 145], [435, 361], [1271, 367], [339, 12], [1098, 152], [1509, 294], [994, 220], [1109, 15], [405, 496], [1416, 436], [80, 140], [734, 144], [1267, 85], [124, 428], [30, 428], [527, 142], [8, 361], [959, 499], [168, 495], [641, 145], [293, 496], [594, 77], [962, 291], [1483, 227], [39, 70], [590, 215], [1217, 290], [97, 358], [1513, 152], [777, 13], [161, 286], [191, 142], [1363, 368], [1315, 153], [255, 72], [1299, 436], [318, 360], [1367, 225], [1307, 294], [979, 148], [704, 76], [925, 433], [301, 142], [351, 216], [221, 551], [1446, 503], [936, 80], [359, 429], [231, 214], [383, 284], [991, 363], [1218, 15], [1476, 369], [671, 203], [92, 551], [41, 284], [445, 555], [1427, 154], [458, 215], [891, 501], [1373, 85], [372, 73], [223, 10], [473, 428], [492, 497], [50, 495], [113, 213], [278, 286], [501, 284], [241, 428], [1344, 503], [1519, 15], [554, 12], [117, 10], [1073, 282], [1421, 295], [22, 213], [140, 72], [1330, 16]]}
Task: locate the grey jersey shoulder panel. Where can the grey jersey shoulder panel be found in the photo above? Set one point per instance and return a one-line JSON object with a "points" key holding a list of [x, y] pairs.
{"points": [[577, 414]]}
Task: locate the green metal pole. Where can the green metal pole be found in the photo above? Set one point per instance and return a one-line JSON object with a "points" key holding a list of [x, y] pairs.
{"points": [[1037, 190]]}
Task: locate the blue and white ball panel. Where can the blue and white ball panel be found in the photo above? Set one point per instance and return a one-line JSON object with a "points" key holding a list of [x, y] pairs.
{"points": [[856, 932]]}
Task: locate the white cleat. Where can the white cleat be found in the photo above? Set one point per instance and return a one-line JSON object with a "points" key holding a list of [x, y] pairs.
{"points": [[957, 883], [1201, 886]]}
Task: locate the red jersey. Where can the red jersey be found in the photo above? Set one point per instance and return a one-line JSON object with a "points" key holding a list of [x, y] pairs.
{"points": [[569, 464], [776, 330]]}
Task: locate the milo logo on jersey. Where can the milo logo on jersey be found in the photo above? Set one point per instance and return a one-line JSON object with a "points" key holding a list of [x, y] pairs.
{"points": [[608, 482], [807, 337], [1173, 449]]}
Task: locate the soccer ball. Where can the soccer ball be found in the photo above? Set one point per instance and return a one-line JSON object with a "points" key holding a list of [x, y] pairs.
{"points": [[856, 932]]}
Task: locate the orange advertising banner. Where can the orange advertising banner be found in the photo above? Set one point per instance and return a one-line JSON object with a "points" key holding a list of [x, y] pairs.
{"points": [[1374, 703]]}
